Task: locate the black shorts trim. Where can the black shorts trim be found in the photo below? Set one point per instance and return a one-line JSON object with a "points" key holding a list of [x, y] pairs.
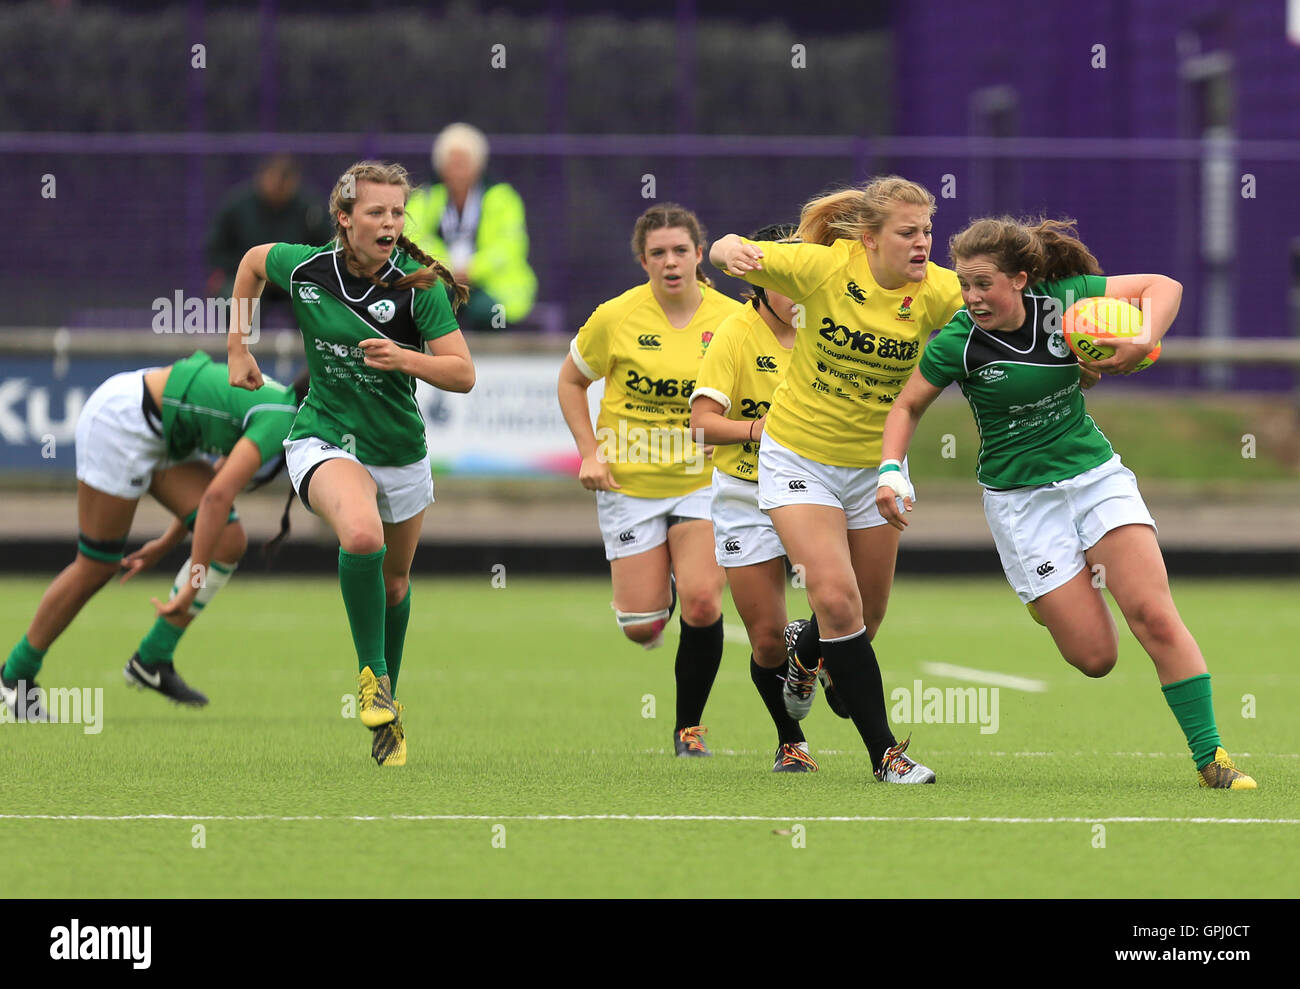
{"points": [[306, 480]]}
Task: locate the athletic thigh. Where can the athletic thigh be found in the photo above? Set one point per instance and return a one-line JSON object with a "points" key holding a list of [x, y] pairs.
{"points": [[179, 489], [1129, 564], [401, 538], [699, 578], [102, 516], [641, 581], [874, 552], [1081, 625], [758, 591], [817, 541], [342, 492]]}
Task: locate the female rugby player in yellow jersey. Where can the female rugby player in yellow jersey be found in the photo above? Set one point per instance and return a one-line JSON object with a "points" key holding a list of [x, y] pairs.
{"points": [[867, 298], [744, 361], [651, 480]]}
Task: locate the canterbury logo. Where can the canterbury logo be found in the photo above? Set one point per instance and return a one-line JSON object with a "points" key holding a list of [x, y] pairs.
{"points": [[648, 340], [855, 293], [309, 293], [765, 363], [798, 485], [382, 310], [627, 537], [1045, 568], [731, 546]]}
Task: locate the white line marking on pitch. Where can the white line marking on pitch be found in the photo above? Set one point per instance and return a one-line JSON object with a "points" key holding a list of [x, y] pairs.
{"points": [[654, 817], [985, 676], [735, 634]]}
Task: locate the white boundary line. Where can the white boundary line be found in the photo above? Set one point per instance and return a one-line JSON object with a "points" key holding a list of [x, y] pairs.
{"points": [[654, 817], [985, 676]]}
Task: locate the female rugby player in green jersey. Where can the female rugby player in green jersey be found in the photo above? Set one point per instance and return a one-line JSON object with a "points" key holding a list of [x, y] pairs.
{"points": [[356, 453], [1058, 501], [868, 297], [650, 478], [745, 359], [144, 431]]}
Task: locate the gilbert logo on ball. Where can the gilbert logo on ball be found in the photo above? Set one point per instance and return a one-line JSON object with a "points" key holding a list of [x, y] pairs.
{"points": [[1090, 322]]}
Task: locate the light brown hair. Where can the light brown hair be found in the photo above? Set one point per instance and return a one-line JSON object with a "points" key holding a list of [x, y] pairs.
{"points": [[847, 214], [387, 174]]}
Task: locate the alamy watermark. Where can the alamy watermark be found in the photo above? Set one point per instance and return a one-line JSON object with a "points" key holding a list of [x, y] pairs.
{"points": [[211, 314], [651, 445], [946, 706], [61, 705]]}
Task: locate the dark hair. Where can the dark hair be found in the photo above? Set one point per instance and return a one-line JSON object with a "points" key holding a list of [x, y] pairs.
{"points": [[301, 385], [1046, 250], [662, 217], [781, 232]]}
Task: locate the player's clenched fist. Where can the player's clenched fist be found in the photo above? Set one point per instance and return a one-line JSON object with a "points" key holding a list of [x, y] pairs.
{"points": [[244, 372]]}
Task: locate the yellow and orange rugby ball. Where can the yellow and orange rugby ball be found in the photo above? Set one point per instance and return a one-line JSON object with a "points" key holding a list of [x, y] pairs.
{"points": [[1102, 319]]}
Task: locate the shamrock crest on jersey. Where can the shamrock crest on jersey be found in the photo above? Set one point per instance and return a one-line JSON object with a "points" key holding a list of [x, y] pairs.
{"points": [[382, 310]]}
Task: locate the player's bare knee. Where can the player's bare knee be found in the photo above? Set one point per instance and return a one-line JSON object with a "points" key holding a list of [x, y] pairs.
{"points": [[700, 610], [93, 574], [1095, 663], [232, 544], [641, 634], [769, 648], [360, 540], [395, 589], [836, 608]]}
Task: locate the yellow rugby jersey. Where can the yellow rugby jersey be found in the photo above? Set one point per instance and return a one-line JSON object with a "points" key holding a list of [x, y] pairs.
{"points": [[649, 368], [856, 347], [740, 371]]}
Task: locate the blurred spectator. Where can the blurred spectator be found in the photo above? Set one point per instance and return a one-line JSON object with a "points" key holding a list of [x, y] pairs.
{"points": [[270, 209], [476, 226]]}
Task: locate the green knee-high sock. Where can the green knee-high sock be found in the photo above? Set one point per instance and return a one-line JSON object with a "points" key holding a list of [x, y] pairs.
{"points": [[361, 578], [395, 619], [24, 661], [160, 643], [1193, 705]]}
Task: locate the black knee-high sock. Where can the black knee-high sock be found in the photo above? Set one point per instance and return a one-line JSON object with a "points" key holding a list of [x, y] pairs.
{"points": [[770, 685], [853, 667], [808, 647], [699, 653]]}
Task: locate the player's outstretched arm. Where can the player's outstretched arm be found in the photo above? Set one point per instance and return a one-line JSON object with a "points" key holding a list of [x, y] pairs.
{"points": [[900, 427], [250, 279], [732, 255]]}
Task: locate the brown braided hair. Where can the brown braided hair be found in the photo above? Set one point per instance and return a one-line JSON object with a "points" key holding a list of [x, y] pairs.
{"points": [[388, 174]]}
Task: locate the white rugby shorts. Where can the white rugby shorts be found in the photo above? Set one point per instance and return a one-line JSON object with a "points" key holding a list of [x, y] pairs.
{"points": [[742, 532], [786, 478], [401, 492], [1042, 532], [631, 525]]}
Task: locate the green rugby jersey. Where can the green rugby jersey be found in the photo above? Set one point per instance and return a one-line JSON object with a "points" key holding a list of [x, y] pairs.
{"points": [[201, 411], [1023, 387], [369, 412]]}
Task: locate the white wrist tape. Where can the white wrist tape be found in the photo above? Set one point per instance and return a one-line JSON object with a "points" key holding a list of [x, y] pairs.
{"points": [[891, 476]]}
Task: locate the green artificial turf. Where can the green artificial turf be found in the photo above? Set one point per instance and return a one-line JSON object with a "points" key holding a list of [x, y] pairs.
{"points": [[524, 704]]}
